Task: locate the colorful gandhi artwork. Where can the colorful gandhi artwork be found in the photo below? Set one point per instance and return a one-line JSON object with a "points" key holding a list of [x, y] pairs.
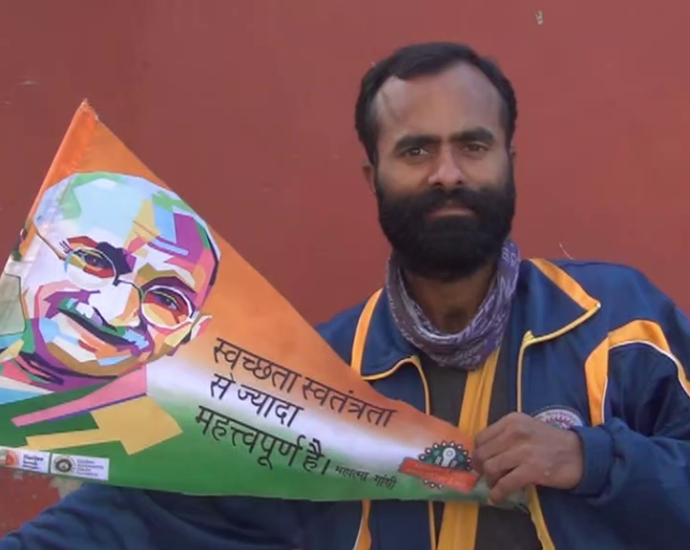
{"points": [[127, 351], [119, 271]]}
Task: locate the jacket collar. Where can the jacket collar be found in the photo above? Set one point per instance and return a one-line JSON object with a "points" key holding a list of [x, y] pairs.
{"points": [[551, 301], [547, 301], [385, 345]]}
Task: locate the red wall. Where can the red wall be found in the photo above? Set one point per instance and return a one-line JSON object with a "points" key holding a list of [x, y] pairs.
{"points": [[245, 108]]}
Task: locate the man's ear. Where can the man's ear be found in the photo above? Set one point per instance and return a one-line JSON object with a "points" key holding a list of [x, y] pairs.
{"points": [[199, 326], [197, 329], [513, 153], [369, 173], [13, 316]]}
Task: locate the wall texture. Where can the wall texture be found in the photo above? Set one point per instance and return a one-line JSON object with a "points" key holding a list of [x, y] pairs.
{"points": [[245, 108]]}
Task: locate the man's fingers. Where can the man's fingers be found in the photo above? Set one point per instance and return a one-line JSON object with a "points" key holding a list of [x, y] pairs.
{"points": [[486, 451], [490, 432], [519, 424], [513, 481], [501, 464]]}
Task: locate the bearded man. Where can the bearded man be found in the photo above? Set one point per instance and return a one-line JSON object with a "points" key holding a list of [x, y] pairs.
{"points": [[572, 377]]}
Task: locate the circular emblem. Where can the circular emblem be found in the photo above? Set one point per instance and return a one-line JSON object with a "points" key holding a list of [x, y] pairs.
{"points": [[63, 465], [447, 455], [9, 458], [560, 418]]}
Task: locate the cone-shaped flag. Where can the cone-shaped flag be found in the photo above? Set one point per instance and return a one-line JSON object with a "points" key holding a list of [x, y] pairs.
{"points": [[137, 348]]}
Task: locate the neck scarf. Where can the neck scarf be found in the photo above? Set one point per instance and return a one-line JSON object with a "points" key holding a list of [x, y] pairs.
{"points": [[469, 348]]}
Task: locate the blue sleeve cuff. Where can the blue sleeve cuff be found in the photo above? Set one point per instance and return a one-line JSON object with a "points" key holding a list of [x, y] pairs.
{"points": [[597, 447]]}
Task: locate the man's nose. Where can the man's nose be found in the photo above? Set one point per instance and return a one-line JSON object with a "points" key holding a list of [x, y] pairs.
{"points": [[447, 172], [118, 304]]}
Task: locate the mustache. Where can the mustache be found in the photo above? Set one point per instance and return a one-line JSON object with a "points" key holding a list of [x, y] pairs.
{"points": [[417, 206], [436, 198]]}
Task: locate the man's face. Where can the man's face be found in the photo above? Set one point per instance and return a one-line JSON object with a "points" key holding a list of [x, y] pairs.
{"points": [[118, 277], [444, 177]]}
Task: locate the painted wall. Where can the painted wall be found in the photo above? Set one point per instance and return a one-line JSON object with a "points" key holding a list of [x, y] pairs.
{"points": [[245, 108]]}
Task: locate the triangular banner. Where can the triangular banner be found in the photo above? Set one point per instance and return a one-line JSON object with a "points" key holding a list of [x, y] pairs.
{"points": [[137, 348]]}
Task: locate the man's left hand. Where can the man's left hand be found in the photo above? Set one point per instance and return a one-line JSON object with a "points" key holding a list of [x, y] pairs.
{"points": [[519, 451]]}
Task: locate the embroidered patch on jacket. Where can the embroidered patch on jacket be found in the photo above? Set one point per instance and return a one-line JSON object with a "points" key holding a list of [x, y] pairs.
{"points": [[560, 417]]}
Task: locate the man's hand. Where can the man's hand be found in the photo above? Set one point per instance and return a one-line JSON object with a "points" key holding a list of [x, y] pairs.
{"points": [[519, 451]]}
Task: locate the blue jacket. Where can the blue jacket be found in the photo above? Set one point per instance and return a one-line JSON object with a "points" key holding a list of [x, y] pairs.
{"points": [[594, 347]]}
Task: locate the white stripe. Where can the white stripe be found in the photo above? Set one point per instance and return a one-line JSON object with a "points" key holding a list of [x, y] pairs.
{"points": [[361, 528], [603, 400], [16, 385]]}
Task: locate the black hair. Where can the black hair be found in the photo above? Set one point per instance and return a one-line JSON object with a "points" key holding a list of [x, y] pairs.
{"points": [[420, 60]]}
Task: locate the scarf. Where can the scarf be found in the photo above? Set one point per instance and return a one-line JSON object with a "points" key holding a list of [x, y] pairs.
{"points": [[469, 348]]}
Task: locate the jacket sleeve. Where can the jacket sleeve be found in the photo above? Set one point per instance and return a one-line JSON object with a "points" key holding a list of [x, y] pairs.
{"points": [[110, 518], [637, 461]]}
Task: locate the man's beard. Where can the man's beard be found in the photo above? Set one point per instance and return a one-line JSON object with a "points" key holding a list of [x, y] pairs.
{"points": [[448, 247]]}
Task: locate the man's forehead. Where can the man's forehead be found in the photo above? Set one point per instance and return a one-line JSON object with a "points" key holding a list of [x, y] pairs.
{"points": [[128, 217], [106, 208], [461, 94]]}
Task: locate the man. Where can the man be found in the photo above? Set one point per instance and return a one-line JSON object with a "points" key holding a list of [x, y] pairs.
{"points": [[105, 294], [571, 376]]}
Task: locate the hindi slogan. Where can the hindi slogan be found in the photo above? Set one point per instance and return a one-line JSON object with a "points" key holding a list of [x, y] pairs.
{"points": [[219, 425], [284, 379]]}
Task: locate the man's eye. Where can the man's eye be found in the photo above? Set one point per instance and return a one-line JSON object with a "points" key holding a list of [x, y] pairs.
{"points": [[169, 299], [93, 259], [475, 147], [415, 152]]}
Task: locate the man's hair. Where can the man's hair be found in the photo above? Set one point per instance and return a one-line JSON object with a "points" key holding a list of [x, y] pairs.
{"points": [[422, 60]]}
